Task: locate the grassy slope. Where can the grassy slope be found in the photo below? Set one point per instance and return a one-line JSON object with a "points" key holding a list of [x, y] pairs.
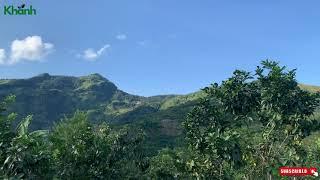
{"points": [[310, 88]]}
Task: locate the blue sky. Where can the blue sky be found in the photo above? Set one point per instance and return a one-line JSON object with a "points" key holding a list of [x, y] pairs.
{"points": [[151, 47]]}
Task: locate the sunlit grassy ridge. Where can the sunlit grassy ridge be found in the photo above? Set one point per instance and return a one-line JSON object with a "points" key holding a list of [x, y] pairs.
{"points": [[310, 88]]}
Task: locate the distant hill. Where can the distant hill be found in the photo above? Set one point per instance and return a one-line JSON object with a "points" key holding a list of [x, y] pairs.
{"points": [[49, 98], [310, 88]]}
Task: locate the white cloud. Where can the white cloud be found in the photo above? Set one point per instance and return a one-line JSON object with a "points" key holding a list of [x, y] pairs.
{"points": [[2, 56], [121, 37], [32, 48], [91, 55]]}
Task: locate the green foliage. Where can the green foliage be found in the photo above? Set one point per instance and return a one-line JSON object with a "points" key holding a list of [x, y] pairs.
{"points": [[164, 165], [23, 154], [72, 142], [173, 164], [6, 135], [83, 151], [270, 102], [75, 149]]}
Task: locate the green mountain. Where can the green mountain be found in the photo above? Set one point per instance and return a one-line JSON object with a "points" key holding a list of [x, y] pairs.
{"points": [[50, 98]]}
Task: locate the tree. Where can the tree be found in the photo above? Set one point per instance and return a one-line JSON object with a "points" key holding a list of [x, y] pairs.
{"points": [[6, 135], [24, 154], [165, 165], [251, 124], [72, 147], [83, 151]]}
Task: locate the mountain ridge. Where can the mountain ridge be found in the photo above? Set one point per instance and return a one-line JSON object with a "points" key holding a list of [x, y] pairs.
{"points": [[91, 91], [66, 94], [49, 98]]}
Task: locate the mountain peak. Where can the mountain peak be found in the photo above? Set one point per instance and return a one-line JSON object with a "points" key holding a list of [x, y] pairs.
{"points": [[95, 81], [43, 75], [95, 77]]}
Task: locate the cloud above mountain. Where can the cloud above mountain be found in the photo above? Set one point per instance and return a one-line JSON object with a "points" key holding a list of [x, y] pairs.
{"points": [[32, 48], [91, 55]]}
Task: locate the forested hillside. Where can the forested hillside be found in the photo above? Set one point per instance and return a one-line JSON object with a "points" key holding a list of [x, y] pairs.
{"points": [[243, 128], [50, 98]]}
